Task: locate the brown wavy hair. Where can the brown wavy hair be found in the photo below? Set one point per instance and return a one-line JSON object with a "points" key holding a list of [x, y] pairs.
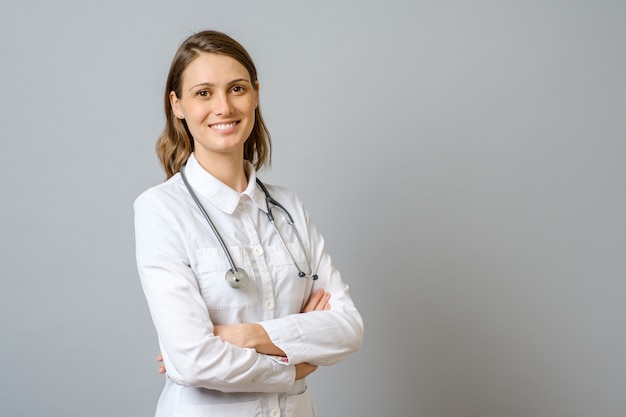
{"points": [[175, 144]]}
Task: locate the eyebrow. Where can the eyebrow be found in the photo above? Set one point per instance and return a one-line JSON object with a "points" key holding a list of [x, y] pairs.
{"points": [[207, 84]]}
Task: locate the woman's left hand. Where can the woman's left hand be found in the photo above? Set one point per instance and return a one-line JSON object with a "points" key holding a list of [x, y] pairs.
{"points": [[318, 301]]}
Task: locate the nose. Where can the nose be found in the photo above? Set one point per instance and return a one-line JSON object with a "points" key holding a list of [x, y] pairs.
{"points": [[223, 105]]}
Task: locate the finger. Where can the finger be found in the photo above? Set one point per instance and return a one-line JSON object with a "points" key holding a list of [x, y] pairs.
{"points": [[313, 301], [159, 358], [324, 302]]}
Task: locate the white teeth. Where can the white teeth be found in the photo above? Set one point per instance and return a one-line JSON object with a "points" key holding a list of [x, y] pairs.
{"points": [[223, 126]]}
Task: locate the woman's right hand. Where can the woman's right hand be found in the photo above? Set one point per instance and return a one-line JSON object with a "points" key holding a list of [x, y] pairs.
{"points": [[162, 369]]}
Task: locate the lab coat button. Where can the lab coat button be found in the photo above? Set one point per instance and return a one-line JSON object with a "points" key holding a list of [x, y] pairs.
{"points": [[269, 304], [275, 413], [241, 206], [258, 251]]}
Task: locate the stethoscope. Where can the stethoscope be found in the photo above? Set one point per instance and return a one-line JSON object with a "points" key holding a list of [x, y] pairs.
{"points": [[238, 277]]}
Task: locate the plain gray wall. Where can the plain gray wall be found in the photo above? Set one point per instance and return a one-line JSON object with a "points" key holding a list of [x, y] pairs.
{"points": [[465, 161]]}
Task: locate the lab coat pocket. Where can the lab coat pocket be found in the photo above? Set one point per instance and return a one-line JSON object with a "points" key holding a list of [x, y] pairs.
{"points": [[250, 408], [289, 286], [211, 271], [300, 405]]}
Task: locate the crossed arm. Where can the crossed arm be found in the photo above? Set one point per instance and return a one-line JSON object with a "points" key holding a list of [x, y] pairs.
{"points": [[253, 335]]}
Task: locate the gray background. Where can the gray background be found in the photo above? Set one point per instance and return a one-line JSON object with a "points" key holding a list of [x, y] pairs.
{"points": [[465, 161]]}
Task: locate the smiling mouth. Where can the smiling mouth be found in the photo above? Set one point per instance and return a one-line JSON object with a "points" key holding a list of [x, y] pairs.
{"points": [[223, 126]]}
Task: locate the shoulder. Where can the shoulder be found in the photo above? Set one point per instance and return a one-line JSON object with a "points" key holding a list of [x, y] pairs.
{"points": [[165, 194]]}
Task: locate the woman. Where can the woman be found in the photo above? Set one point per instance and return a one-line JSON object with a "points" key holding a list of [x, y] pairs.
{"points": [[239, 295]]}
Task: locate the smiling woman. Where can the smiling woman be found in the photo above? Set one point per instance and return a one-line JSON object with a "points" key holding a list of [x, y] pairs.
{"points": [[243, 345]]}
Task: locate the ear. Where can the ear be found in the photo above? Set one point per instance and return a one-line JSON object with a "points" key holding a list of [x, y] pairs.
{"points": [[176, 107]]}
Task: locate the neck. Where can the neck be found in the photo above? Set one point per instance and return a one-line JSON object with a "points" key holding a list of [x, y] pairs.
{"points": [[227, 169]]}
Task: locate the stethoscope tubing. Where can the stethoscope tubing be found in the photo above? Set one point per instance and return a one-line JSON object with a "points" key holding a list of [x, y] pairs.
{"points": [[238, 278], [233, 268]]}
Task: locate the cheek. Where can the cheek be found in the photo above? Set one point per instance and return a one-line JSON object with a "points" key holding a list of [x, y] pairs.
{"points": [[249, 108], [195, 114]]}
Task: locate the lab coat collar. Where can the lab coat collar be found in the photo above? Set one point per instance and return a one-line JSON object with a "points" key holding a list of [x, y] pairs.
{"points": [[219, 194]]}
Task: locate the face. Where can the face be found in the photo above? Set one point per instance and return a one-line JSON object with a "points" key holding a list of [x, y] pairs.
{"points": [[218, 101]]}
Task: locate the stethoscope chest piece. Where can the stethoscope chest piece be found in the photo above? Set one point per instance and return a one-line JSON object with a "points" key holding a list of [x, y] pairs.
{"points": [[237, 279]]}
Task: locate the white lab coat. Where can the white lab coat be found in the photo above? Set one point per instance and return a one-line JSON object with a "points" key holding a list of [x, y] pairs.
{"points": [[182, 267]]}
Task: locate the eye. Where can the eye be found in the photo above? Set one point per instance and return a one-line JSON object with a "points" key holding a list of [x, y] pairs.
{"points": [[238, 89], [202, 93]]}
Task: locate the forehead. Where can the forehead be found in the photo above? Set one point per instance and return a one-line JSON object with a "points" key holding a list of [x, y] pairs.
{"points": [[214, 69]]}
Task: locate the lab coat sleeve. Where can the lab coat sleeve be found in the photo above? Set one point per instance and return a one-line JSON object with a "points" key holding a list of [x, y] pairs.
{"points": [[320, 337], [192, 354]]}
